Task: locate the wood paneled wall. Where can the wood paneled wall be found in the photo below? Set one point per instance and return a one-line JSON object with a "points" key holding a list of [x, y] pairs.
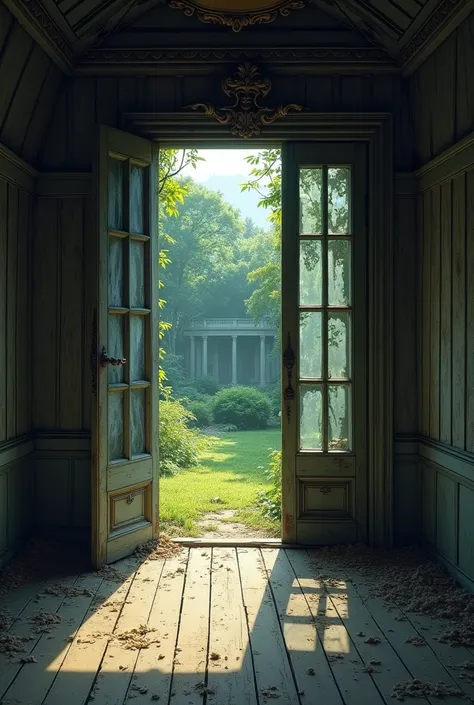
{"points": [[29, 85], [447, 311], [16, 224], [85, 102], [442, 94], [62, 313]]}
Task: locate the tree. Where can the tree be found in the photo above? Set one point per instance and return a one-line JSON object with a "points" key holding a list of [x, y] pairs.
{"points": [[203, 233]]}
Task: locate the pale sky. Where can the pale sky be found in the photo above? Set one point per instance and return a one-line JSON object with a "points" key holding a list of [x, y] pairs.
{"points": [[220, 161]]}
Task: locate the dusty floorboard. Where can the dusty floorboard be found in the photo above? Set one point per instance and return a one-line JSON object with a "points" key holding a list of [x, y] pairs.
{"points": [[220, 625]]}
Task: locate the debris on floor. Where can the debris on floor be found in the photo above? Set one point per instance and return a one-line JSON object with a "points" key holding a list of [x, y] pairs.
{"points": [[61, 590], [420, 689], [406, 579], [6, 620], [416, 641], [155, 549], [108, 572], [45, 620], [9, 643], [137, 638]]}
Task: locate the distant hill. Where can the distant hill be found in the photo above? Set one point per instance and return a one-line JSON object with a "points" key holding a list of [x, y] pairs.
{"points": [[246, 202]]}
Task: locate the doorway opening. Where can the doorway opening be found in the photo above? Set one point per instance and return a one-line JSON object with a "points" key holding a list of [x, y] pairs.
{"points": [[220, 342]]}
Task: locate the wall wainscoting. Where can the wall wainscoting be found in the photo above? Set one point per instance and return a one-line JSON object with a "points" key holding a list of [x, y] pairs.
{"points": [[16, 495]]}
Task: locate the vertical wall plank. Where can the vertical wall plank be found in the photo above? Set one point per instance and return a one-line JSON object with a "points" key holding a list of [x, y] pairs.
{"points": [[459, 311], [426, 315], [90, 247], [12, 256], [470, 311], [45, 315], [3, 307], [71, 344], [23, 343], [16, 54], [435, 312], [443, 108], [445, 332]]}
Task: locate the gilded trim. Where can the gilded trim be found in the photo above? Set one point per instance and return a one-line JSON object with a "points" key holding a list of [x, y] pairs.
{"points": [[234, 19]]}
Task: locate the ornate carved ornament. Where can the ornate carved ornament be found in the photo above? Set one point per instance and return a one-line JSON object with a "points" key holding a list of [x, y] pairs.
{"points": [[317, 59], [43, 28], [237, 15], [246, 116], [427, 33]]}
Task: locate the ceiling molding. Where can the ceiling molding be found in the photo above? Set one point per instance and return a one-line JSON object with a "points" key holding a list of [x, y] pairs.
{"points": [[34, 18], [171, 61], [236, 19], [442, 21]]}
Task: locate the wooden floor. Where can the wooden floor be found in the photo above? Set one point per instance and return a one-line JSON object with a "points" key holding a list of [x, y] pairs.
{"points": [[225, 626]]}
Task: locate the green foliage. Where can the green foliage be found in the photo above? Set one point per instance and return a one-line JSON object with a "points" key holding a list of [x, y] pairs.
{"points": [[173, 366], [180, 446], [245, 407], [269, 501], [202, 412], [206, 385], [274, 397]]}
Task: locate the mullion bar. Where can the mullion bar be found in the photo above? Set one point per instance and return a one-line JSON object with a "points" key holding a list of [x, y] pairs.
{"points": [[324, 256], [127, 395]]}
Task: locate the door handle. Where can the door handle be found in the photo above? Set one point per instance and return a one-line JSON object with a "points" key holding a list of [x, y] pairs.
{"points": [[107, 360]]}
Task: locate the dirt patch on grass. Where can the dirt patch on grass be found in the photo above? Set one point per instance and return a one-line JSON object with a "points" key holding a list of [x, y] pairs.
{"points": [[221, 525]]}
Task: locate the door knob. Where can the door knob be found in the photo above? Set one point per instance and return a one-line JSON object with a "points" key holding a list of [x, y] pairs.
{"points": [[107, 360]]}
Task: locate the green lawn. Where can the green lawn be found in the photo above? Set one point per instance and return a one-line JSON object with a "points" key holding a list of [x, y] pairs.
{"points": [[233, 469]]}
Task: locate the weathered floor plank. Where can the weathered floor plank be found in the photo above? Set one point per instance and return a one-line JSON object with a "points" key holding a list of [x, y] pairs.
{"points": [[303, 639], [190, 663], [154, 667], [230, 670], [273, 674]]}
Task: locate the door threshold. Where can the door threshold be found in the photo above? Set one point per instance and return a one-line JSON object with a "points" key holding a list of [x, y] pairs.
{"points": [[234, 543]]}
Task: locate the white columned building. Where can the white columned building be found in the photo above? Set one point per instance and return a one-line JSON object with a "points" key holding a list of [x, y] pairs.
{"points": [[233, 350]]}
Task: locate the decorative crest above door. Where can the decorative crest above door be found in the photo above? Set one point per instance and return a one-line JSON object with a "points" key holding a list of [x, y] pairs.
{"points": [[246, 116], [237, 14]]}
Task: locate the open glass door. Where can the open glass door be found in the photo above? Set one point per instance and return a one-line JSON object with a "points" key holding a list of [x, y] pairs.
{"points": [[324, 340], [125, 348]]}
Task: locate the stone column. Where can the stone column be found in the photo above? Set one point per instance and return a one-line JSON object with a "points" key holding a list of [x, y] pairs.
{"points": [[262, 360], [234, 359], [192, 354], [204, 355]]}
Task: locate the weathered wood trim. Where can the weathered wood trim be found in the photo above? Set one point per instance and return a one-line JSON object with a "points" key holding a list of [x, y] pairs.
{"points": [[56, 441], [131, 61], [442, 21], [63, 185], [458, 158], [16, 170], [458, 462], [13, 450], [406, 185], [33, 16]]}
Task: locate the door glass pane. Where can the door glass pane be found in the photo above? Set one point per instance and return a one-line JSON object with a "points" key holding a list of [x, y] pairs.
{"points": [[310, 344], [137, 347], [115, 193], [116, 272], [339, 272], [311, 195], [116, 425], [116, 339], [138, 421], [338, 200], [137, 199], [338, 345], [339, 436], [311, 417], [137, 274], [311, 273]]}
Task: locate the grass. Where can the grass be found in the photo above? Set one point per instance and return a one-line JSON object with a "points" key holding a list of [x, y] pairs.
{"points": [[233, 470]]}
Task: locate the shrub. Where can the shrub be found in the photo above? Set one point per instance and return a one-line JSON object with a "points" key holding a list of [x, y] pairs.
{"points": [[269, 501], [274, 397], [206, 385], [173, 366], [244, 407], [202, 412], [180, 446]]}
